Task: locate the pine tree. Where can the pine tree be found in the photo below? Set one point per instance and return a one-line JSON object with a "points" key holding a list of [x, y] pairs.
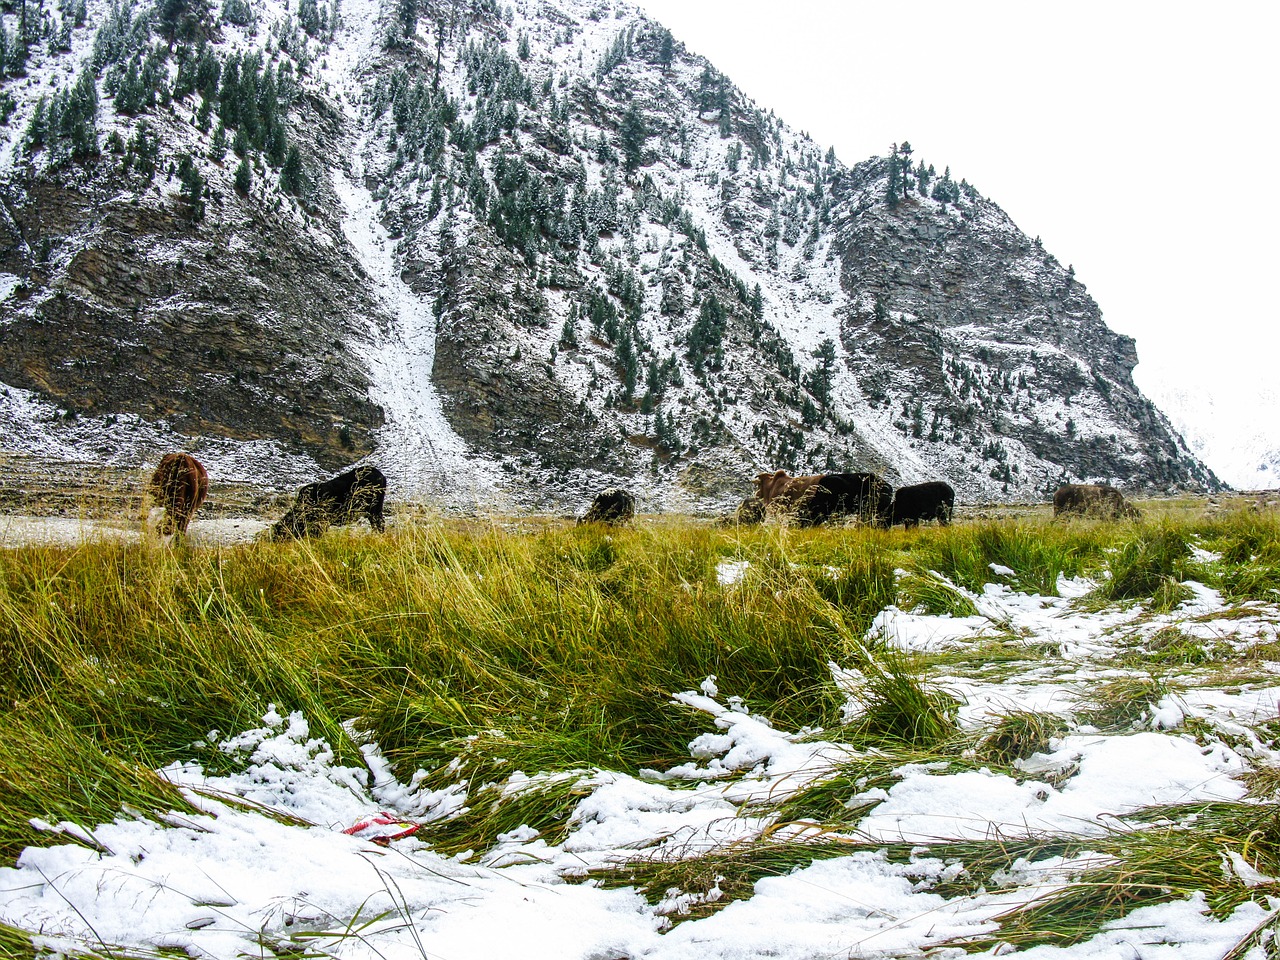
{"points": [[706, 337], [629, 364], [145, 150], [292, 176], [407, 12], [895, 179], [229, 94], [244, 177], [309, 16], [74, 118], [15, 63], [276, 147], [820, 379], [37, 133], [666, 49], [192, 191], [237, 12], [208, 73], [633, 136], [184, 20], [707, 89], [204, 115], [569, 333], [128, 97], [218, 148]]}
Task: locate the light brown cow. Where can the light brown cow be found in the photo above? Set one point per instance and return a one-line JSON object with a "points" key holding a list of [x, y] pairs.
{"points": [[180, 485], [784, 492]]}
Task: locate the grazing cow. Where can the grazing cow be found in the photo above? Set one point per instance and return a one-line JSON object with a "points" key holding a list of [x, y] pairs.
{"points": [[1092, 500], [344, 499], [614, 507], [815, 499], [912, 504], [750, 511], [180, 485]]}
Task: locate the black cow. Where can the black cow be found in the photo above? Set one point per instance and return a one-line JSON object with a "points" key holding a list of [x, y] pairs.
{"points": [[812, 500], [917, 502], [750, 511], [1092, 500], [614, 506], [344, 499]]}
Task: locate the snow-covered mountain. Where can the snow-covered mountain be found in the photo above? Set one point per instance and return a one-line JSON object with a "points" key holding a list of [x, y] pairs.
{"points": [[509, 251], [1230, 426]]}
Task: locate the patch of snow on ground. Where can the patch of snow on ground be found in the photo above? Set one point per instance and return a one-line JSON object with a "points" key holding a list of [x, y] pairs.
{"points": [[33, 427]]}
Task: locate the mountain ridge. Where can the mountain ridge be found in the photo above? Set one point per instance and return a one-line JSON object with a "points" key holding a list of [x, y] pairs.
{"points": [[542, 246]]}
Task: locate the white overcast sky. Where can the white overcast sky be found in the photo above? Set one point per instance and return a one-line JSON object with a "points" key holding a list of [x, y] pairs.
{"points": [[1136, 139]]}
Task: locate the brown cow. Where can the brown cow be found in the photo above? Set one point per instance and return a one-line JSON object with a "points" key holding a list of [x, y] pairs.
{"points": [[180, 485], [1092, 500], [815, 499], [782, 491]]}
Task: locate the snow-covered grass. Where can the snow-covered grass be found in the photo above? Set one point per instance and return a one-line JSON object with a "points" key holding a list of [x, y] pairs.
{"points": [[668, 741]]}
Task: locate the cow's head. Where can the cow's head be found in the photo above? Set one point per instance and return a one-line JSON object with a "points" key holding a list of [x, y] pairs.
{"points": [[302, 519], [769, 485]]}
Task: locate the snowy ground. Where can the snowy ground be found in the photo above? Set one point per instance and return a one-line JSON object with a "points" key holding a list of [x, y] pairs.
{"points": [[70, 531], [236, 880]]}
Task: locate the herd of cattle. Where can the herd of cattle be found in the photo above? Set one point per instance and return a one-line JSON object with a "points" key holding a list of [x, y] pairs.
{"points": [[181, 483]]}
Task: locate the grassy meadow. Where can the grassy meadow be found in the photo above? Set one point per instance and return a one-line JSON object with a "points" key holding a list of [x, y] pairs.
{"points": [[471, 650]]}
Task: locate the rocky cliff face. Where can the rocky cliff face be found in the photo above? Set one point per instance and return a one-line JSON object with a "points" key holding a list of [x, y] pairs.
{"points": [[236, 326], [538, 243], [987, 344]]}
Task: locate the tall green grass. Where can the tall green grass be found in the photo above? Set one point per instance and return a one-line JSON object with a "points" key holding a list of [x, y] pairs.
{"points": [[474, 651], [1186, 850]]}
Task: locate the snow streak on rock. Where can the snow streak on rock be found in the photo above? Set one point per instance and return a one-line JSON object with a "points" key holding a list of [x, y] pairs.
{"points": [[416, 448]]}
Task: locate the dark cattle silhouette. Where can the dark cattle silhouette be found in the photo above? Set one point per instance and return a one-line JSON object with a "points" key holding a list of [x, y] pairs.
{"points": [[815, 499], [179, 484], [344, 499], [1092, 500], [750, 510], [614, 506], [918, 502]]}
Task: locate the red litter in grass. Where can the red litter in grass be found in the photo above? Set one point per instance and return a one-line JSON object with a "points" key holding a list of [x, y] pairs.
{"points": [[383, 827]]}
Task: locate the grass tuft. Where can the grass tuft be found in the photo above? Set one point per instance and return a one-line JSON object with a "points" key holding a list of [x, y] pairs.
{"points": [[1019, 734], [1150, 566], [1184, 851], [1123, 703], [897, 707], [933, 595]]}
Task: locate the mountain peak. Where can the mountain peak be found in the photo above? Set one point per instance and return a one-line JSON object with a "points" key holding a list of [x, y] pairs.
{"points": [[536, 245]]}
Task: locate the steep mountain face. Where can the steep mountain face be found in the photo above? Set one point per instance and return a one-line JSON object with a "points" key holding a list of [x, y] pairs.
{"points": [[510, 251]]}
